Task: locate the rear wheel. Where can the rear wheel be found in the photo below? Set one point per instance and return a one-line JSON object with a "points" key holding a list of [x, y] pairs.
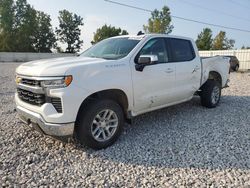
{"points": [[210, 94], [236, 68], [99, 124]]}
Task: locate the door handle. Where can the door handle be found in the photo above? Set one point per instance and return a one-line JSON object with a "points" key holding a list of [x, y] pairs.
{"points": [[169, 70]]}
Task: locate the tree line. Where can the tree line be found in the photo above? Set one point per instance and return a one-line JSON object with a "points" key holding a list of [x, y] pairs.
{"points": [[24, 29], [205, 41]]}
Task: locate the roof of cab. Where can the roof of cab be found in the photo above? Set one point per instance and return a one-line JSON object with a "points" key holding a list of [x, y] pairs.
{"points": [[152, 35]]}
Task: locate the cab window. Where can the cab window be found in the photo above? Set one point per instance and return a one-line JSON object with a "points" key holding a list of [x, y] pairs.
{"points": [[155, 47], [181, 50]]}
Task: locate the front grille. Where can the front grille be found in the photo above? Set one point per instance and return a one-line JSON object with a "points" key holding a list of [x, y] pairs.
{"points": [[30, 91], [56, 102], [30, 97], [34, 83]]}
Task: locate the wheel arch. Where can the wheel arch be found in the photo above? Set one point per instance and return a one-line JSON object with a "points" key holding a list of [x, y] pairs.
{"points": [[214, 75], [117, 95]]}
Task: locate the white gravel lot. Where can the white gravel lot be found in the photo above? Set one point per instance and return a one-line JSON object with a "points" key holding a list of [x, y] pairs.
{"points": [[181, 146]]}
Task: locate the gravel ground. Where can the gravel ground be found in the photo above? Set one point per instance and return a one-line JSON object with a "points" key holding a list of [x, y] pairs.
{"points": [[180, 146]]}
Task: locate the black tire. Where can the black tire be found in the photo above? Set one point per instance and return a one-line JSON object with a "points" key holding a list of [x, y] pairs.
{"points": [[206, 94], [85, 120], [236, 68]]}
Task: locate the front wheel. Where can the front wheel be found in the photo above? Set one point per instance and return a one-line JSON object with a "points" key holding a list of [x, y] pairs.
{"points": [[210, 94], [99, 124]]}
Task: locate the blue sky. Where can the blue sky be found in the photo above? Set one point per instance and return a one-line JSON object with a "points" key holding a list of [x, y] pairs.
{"points": [[98, 12]]}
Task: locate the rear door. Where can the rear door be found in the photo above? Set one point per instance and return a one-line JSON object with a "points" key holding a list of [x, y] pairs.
{"points": [[188, 67]]}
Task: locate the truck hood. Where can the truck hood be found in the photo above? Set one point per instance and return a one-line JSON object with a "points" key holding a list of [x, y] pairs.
{"points": [[53, 67]]}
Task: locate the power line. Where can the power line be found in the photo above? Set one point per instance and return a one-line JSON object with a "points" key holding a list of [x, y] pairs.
{"points": [[214, 10], [239, 4], [178, 17], [130, 6]]}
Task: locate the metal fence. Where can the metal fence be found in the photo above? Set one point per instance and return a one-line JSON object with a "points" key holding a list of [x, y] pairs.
{"points": [[242, 55]]}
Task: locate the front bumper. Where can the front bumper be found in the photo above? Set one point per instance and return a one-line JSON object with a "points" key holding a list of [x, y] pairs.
{"points": [[37, 122]]}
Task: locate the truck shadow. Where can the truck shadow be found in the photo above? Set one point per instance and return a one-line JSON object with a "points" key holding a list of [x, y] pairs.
{"points": [[187, 136]]}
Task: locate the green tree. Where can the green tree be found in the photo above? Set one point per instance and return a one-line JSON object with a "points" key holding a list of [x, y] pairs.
{"points": [[23, 29], [160, 22], [221, 42], [44, 35], [106, 32], [25, 26], [69, 30], [204, 40], [7, 15], [245, 47]]}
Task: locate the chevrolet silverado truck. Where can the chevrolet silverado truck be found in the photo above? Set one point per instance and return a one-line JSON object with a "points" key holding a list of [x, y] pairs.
{"points": [[90, 96]]}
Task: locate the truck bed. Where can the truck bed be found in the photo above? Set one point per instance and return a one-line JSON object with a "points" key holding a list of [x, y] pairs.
{"points": [[218, 64]]}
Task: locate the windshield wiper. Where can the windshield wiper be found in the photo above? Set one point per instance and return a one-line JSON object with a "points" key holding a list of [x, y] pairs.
{"points": [[109, 58], [95, 57]]}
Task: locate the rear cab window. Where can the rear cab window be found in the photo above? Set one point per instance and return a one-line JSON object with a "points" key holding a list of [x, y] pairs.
{"points": [[181, 50]]}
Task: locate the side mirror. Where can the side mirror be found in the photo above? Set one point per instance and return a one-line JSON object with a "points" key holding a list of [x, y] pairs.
{"points": [[145, 60]]}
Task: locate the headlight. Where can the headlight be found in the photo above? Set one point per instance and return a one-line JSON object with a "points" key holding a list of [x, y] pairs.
{"points": [[57, 83]]}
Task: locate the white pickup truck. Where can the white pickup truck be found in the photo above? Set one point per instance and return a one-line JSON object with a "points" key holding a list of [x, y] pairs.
{"points": [[90, 96]]}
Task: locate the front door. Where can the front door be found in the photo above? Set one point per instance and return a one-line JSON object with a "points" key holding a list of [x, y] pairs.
{"points": [[154, 86]]}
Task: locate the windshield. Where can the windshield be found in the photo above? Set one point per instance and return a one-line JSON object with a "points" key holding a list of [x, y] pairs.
{"points": [[113, 48]]}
